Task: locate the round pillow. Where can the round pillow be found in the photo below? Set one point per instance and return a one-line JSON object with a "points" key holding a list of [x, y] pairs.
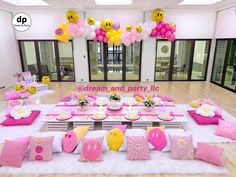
{"points": [[69, 141], [157, 138], [115, 139]]}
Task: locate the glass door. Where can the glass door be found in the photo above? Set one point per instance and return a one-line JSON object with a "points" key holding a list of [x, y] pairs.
{"points": [[66, 61], [114, 62], [96, 61], [28, 57], [163, 58], [48, 59], [230, 69], [182, 58], [133, 62]]}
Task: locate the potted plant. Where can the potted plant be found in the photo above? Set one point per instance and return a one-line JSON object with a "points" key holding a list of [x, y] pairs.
{"points": [[115, 96], [83, 102], [148, 103]]}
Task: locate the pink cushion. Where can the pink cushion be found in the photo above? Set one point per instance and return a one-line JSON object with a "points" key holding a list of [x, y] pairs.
{"points": [[69, 141], [210, 153], [137, 148], [41, 148], [165, 98], [91, 149], [201, 120], [181, 147], [121, 127], [226, 129], [23, 93], [11, 95], [25, 121], [157, 138], [13, 152]]}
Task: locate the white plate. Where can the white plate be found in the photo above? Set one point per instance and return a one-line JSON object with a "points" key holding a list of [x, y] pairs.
{"points": [[101, 116], [103, 99]]}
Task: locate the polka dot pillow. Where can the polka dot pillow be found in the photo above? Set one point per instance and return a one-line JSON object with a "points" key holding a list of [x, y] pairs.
{"points": [[41, 148], [137, 148], [181, 147], [91, 149]]}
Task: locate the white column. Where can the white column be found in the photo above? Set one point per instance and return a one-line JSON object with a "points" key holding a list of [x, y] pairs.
{"points": [[148, 60], [80, 60]]}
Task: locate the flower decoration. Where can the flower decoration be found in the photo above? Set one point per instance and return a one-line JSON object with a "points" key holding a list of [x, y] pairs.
{"points": [[148, 102], [20, 112], [82, 101], [115, 96], [207, 101], [206, 110]]}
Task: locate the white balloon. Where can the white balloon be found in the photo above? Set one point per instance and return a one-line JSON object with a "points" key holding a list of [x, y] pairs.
{"points": [[97, 24]]}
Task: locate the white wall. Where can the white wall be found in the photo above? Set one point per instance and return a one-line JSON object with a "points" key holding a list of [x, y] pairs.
{"points": [[226, 24], [9, 58], [190, 24]]}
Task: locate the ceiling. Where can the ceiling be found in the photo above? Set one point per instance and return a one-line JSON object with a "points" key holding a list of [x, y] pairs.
{"points": [[146, 5]]}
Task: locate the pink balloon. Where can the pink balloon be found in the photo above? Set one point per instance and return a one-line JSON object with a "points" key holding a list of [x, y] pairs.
{"points": [[171, 38], [100, 38], [163, 36], [103, 32], [105, 39], [158, 33], [167, 27], [163, 31], [168, 33], [173, 29], [97, 31], [59, 31], [161, 23], [159, 26], [95, 39], [154, 32]]}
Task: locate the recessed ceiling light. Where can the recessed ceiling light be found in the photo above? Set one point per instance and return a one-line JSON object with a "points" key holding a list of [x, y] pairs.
{"points": [[113, 2], [27, 2], [199, 2]]}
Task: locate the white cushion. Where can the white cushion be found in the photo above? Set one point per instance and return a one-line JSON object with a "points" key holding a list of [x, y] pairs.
{"points": [[94, 134]]}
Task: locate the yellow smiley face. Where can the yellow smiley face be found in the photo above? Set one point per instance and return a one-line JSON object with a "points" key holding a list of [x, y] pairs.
{"points": [[157, 15], [129, 28], [91, 21], [139, 28], [32, 89], [106, 24], [72, 16], [115, 139], [46, 80], [20, 86]]}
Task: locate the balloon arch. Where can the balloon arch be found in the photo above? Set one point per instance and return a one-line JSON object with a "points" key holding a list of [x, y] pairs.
{"points": [[110, 32]]}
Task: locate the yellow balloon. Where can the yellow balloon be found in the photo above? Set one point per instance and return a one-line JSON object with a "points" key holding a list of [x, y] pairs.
{"points": [[106, 24], [91, 21], [117, 36], [32, 89], [112, 38], [108, 34], [72, 16], [115, 139], [61, 33], [119, 31], [117, 43], [139, 28], [173, 24], [158, 15], [129, 28], [20, 86], [46, 80]]}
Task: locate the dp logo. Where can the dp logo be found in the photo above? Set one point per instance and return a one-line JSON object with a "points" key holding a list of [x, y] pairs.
{"points": [[21, 21]]}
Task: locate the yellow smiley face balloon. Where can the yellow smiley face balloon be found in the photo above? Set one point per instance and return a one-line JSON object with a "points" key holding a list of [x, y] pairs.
{"points": [[46, 80], [115, 139], [91, 21], [106, 24], [32, 89], [72, 16], [129, 28], [139, 28], [20, 86], [158, 15]]}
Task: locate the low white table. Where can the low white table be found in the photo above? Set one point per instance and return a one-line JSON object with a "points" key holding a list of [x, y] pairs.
{"points": [[82, 118]]}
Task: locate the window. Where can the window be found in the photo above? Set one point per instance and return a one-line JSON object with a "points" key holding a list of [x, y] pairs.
{"points": [[48, 58], [224, 68], [185, 59]]}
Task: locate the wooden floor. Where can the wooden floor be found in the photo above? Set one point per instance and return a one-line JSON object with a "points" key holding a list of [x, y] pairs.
{"points": [[182, 92]]}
